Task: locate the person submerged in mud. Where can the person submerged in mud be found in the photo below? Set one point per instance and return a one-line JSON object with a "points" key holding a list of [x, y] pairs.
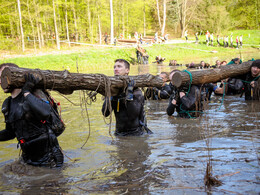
{"points": [[128, 106], [27, 118], [188, 99]]}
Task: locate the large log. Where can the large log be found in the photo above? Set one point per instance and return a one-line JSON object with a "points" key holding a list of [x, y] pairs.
{"points": [[211, 75], [66, 82]]}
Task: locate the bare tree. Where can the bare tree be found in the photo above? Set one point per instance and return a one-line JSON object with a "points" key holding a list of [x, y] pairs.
{"points": [[111, 22], [75, 23], [67, 26], [55, 26], [164, 17], [144, 19], [158, 14], [31, 21], [21, 24]]}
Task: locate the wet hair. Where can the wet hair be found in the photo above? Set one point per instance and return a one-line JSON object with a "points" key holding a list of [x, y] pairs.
{"points": [[8, 65], [126, 63], [223, 62], [256, 63]]}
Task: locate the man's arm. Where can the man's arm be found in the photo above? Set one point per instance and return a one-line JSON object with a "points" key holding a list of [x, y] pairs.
{"points": [[7, 134], [37, 106]]}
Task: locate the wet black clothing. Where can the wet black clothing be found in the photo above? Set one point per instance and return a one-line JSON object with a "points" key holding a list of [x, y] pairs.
{"points": [[130, 116], [250, 93], [158, 93], [26, 119], [189, 105]]}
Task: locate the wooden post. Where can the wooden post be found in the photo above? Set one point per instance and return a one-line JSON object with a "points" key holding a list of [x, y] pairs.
{"points": [[66, 82], [211, 75]]}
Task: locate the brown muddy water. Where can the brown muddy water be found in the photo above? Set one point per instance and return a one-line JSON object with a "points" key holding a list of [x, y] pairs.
{"points": [[171, 161]]}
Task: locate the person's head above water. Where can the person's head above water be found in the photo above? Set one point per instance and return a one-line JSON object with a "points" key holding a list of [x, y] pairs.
{"points": [[121, 67]]}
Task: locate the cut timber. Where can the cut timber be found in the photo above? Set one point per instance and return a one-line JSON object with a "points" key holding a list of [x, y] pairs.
{"points": [[127, 40], [66, 82], [212, 75]]}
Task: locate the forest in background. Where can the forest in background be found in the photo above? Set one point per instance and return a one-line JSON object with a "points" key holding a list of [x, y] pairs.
{"points": [[46, 23]]}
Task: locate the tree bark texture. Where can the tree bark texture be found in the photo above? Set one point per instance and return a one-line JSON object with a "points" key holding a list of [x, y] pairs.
{"points": [[66, 82], [211, 75]]}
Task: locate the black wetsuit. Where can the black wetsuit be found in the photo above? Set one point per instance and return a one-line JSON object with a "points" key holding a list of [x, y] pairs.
{"points": [[250, 94], [26, 119], [130, 117], [156, 93], [189, 105]]}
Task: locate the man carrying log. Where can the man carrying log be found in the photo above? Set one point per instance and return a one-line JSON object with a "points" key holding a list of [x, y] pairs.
{"points": [[187, 100], [128, 106], [158, 93], [28, 118]]}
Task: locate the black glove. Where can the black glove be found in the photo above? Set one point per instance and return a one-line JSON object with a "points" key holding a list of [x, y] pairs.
{"points": [[30, 82], [130, 90]]}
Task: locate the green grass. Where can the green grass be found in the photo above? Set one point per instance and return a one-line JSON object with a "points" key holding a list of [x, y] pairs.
{"points": [[96, 59]]}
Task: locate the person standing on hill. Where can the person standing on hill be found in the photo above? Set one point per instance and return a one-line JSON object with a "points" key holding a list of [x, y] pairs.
{"points": [[241, 40]]}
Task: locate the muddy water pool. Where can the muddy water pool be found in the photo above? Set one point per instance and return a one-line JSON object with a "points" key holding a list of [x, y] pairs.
{"points": [[170, 161]]}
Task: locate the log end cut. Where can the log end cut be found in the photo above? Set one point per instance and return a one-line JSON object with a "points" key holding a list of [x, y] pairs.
{"points": [[6, 78], [177, 79]]}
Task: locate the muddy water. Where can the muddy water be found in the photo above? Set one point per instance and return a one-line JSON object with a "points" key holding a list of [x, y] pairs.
{"points": [[171, 161]]}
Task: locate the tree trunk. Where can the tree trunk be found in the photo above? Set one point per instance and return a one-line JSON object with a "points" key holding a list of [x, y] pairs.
{"points": [[164, 17], [144, 20], [55, 26], [31, 21], [158, 13], [66, 82], [21, 24], [212, 75], [99, 30], [67, 25], [75, 24], [111, 22]]}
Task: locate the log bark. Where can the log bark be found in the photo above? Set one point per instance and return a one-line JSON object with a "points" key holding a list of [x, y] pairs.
{"points": [[212, 75], [66, 82]]}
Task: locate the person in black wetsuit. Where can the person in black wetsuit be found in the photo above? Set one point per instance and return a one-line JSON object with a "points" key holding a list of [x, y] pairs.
{"points": [[188, 102], [251, 82], [128, 106], [27, 119], [158, 93]]}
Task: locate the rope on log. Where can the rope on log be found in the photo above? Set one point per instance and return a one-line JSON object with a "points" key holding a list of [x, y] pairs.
{"points": [[212, 75], [66, 82]]}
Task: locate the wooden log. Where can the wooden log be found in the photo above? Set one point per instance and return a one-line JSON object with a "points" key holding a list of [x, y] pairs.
{"points": [[66, 82], [126, 40], [211, 75]]}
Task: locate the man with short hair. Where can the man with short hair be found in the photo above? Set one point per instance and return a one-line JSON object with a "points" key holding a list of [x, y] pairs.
{"points": [[128, 106], [27, 118]]}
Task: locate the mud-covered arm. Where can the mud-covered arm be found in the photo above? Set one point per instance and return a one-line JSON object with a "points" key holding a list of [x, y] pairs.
{"points": [[7, 133], [189, 100], [39, 107], [105, 108]]}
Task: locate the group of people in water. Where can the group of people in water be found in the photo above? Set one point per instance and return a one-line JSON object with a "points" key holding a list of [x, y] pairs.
{"points": [[29, 118]]}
